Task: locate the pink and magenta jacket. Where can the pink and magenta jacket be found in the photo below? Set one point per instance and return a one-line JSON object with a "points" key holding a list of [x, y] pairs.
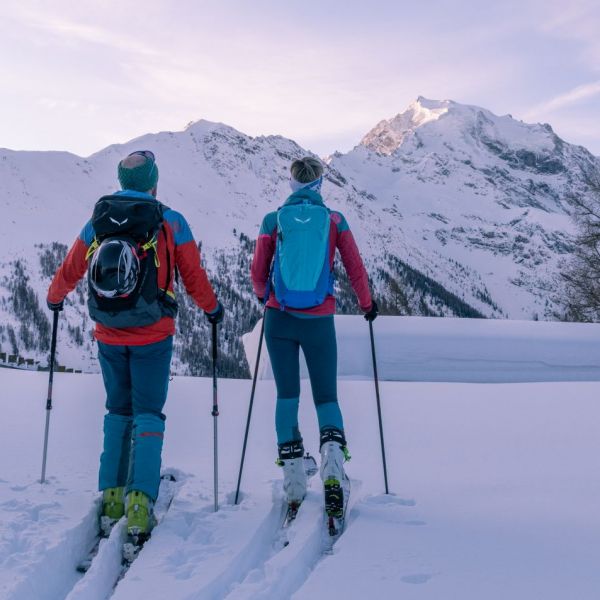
{"points": [[340, 237], [184, 255]]}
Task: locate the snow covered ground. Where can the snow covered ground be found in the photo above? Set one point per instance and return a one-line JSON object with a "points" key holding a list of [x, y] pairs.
{"points": [[495, 495]]}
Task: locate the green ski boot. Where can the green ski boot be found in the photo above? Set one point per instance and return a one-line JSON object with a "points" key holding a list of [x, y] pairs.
{"points": [[140, 522], [140, 515], [113, 508]]}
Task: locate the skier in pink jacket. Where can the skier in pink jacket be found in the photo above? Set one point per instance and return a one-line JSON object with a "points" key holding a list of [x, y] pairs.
{"points": [[312, 329]]}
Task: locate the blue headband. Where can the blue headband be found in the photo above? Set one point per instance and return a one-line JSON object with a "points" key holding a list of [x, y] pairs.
{"points": [[313, 186]]}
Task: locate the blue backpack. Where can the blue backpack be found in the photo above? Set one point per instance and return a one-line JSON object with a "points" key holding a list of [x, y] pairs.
{"points": [[302, 277]]}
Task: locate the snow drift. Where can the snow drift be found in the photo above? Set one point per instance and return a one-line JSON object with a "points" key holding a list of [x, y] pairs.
{"points": [[459, 350]]}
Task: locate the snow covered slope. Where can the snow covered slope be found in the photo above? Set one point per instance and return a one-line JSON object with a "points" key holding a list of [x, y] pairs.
{"points": [[493, 496], [457, 212]]}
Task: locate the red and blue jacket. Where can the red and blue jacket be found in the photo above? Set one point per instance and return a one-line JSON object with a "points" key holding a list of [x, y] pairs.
{"points": [[177, 239], [340, 237]]}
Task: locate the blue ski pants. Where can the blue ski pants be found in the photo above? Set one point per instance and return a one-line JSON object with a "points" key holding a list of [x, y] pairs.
{"points": [[285, 335], [136, 379]]}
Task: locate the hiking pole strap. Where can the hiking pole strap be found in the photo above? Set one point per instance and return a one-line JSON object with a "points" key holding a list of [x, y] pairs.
{"points": [[49, 398], [376, 378], [260, 341]]}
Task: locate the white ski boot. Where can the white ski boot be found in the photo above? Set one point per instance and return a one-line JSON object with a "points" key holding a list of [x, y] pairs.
{"points": [[291, 458]]}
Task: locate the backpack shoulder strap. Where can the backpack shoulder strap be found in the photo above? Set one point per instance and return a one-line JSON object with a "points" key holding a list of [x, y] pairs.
{"points": [[168, 283], [92, 248]]}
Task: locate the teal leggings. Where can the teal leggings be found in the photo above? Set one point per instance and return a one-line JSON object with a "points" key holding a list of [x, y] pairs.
{"points": [[285, 334]]}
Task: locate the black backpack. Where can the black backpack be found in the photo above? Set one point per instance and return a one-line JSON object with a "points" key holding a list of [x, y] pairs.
{"points": [[138, 221]]}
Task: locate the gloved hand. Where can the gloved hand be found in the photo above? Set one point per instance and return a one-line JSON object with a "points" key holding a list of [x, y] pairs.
{"points": [[372, 314], [55, 306], [261, 300], [216, 316]]}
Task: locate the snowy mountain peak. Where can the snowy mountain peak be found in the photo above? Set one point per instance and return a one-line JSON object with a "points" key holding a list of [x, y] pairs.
{"points": [[204, 127], [422, 124], [428, 104], [388, 135]]}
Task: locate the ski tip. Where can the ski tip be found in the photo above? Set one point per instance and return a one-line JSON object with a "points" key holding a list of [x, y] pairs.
{"points": [[335, 526]]}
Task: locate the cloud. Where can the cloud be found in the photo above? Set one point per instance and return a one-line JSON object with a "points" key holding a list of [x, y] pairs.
{"points": [[581, 92], [577, 21], [73, 30]]}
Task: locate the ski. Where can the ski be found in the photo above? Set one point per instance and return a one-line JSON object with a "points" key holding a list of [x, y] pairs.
{"points": [[336, 503], [290, 514], [106, 525], [132, 547], [134, 543]]}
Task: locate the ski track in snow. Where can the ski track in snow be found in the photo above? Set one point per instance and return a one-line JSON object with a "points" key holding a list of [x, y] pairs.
{"points": [[199, 549], [270, 564], [262, 565], [98, 582], [252, 555], [288, 566], [41, 565], [106, 571], [54, 575]]}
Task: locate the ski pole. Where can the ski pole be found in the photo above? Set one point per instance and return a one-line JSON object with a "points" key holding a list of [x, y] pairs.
{"points": [[260, 341], [215, 414], [49, 400], [376, 378]]}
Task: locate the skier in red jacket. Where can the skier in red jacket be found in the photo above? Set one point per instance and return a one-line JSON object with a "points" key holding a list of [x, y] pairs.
{"points": [[131, 298]]}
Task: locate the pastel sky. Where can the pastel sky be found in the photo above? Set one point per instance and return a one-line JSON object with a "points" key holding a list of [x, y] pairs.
{"points": [[79, 76]]}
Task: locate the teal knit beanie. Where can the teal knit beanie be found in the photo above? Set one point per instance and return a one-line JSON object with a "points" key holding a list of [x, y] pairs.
{"points": [[138, 172]]}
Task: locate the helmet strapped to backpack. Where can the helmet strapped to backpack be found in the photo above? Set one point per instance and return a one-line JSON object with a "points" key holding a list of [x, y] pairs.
{"points": [[114, 268], [123, 263]]}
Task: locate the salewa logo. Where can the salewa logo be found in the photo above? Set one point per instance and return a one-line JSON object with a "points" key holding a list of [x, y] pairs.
{"points": [[303, 221], [117, 222]]}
